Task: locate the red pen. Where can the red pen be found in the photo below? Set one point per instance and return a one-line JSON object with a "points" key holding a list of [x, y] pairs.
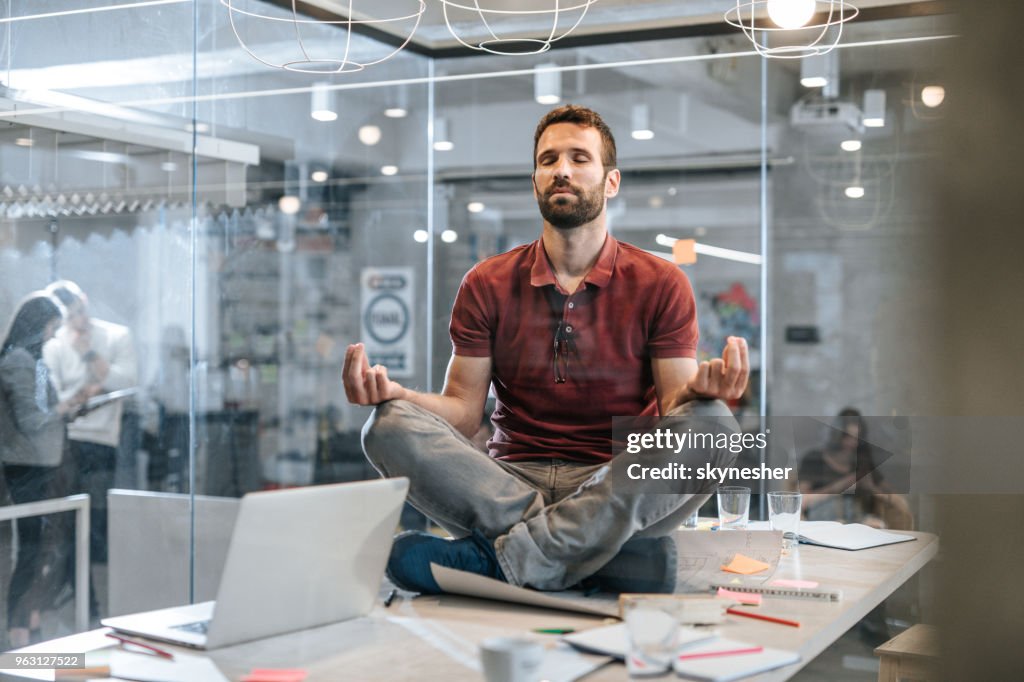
{"points": [[124, 641], [758, 616], [724, 652]]}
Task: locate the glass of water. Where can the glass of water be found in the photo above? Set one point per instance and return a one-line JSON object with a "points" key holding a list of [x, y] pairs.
{"points": [[653, 629], [784, 515], [733, 507]]}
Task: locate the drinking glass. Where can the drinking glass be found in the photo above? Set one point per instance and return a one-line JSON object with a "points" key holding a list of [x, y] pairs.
{"points": [[784, 515], [653, 629], [733, 507]]}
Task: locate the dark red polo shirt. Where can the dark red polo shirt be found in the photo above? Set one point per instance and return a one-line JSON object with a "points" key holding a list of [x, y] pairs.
{"points": [[632, 306]]}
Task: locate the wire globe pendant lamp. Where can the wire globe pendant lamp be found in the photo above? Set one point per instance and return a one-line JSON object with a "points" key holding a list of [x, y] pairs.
{"points": [[497, 22], [791, 29], [326, 54]]}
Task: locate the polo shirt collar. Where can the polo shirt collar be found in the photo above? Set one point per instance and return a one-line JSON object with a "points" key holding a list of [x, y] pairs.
{"points": [[541, 273]]}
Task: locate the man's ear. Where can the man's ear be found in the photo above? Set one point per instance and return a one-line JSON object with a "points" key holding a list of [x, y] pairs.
{"points": [[611, 183], [533, 180]]}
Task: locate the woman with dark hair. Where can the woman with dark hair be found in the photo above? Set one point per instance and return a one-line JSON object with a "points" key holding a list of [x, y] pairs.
{"points": [[847, 462], [32, 449]]}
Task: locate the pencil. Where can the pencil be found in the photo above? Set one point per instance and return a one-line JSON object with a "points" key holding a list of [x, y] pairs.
{"points": [[729, 652], [390, 598], [758, 616]]}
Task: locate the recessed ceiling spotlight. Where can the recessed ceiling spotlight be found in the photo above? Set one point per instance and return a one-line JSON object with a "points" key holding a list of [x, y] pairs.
{"points": [[24, 142], [396, 112], [318, 176], [475, 206], [369, 135], [932, 95], [855, 192], [289, 204], [389, 170], [449, 236], [850, 145], [421, 236]]}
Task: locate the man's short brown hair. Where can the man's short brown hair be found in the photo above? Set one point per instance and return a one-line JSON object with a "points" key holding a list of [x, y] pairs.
{"points": [[588, 118]]}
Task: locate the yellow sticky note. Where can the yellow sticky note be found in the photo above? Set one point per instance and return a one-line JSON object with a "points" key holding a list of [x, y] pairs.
{"points": [[745, 565]]}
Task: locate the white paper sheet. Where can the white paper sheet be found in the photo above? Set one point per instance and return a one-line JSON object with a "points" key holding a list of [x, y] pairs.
{"points": [[850, 536], [473, 585], [126, 665], [613, 640]]}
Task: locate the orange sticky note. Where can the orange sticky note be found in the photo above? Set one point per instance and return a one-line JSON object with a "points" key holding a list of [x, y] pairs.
{"points": [[741, 597], [745, 565]]}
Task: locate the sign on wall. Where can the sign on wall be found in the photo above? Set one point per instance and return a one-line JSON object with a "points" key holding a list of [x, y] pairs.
{"points": [[386, 315]]}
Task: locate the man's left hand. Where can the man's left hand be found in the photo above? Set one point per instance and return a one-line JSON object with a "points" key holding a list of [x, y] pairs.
{"points": [[723, 378]]}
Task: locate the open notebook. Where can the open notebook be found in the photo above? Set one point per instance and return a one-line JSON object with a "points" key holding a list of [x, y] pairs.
{"points": [[850, 536]]}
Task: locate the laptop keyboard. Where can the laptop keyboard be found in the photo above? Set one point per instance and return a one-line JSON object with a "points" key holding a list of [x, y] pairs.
{"points": [[199, 627]]}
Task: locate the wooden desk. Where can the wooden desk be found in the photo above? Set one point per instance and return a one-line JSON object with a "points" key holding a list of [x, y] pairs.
{"points": [[437, 637]]}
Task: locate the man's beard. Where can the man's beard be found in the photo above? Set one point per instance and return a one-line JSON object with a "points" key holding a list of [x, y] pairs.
{"points": [[566, 214]]}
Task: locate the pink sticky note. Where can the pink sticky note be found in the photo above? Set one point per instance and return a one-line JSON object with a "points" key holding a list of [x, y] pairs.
{"points": [[745, 565], [741, 597], [786, 582], [275, 675]]}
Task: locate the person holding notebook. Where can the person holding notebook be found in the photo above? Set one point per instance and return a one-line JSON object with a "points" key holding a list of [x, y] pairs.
{"points": [[570, 330]]}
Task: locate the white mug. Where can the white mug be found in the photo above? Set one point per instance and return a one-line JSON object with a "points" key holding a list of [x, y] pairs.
{"points": [[511, 659]]}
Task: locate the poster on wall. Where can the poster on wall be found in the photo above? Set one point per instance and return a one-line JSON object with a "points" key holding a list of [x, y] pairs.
{"points": [[729, 308], [386, 318]]}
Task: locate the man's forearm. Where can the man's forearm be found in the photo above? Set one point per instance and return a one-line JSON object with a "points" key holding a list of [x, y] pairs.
{"points": [[455, 411]]}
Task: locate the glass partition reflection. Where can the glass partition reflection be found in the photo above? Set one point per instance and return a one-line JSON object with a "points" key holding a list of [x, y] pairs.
{"points": [[230, 227]]}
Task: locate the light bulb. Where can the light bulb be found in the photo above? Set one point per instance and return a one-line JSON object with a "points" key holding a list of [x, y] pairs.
{"points": [[318, 176], [389, 170], [420, 235], [850, 145], [448, 236], [475, 206], [642, 134], [855, 192], [791, 13]]}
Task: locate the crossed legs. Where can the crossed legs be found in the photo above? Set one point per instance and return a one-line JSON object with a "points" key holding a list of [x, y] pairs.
{"points": [[540, 541]]}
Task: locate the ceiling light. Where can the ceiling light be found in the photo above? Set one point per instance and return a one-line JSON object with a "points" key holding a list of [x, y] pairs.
{"points": [[442, 140], [24, 142], [289, 204], [932, 95], [850, 145], [855, 191], [389, 170], [369, 135], [475, 206], [791, 13], [421, 236], [642, 122], [874, 108], [305, 55], [779, 38], [322, 103], [399, 106], [449, 236], [318, 176], [396, 112], [821, 71], [474, 19], [547, 84]]}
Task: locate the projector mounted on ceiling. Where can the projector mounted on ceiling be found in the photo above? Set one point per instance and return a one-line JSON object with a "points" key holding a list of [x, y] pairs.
{"points": [[826, 117]]}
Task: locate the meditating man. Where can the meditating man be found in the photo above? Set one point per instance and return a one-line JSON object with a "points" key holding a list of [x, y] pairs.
{"points": [[570, 330]]}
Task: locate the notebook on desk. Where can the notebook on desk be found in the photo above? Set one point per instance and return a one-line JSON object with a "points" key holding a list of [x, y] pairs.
{"points": [[298, 558]]}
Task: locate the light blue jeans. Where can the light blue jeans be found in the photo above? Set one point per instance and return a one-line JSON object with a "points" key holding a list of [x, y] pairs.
{"points": [[553, 522]]}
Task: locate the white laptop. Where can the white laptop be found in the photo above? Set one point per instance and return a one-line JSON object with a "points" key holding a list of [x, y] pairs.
{"points": [[298, 558]]}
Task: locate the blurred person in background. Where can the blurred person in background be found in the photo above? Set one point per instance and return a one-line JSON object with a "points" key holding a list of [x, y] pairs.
{"points": [[33, 448], [91, 356]]}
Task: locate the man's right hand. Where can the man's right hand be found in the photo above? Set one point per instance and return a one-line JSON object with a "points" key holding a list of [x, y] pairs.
{"points": [[365, 385]]}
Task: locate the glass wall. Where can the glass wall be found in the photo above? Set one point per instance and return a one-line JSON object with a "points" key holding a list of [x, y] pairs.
{"points": [[233, 227]]}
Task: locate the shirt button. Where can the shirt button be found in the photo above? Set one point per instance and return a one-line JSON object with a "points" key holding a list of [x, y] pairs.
{"points": [[571, 306], [568, 328]]}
